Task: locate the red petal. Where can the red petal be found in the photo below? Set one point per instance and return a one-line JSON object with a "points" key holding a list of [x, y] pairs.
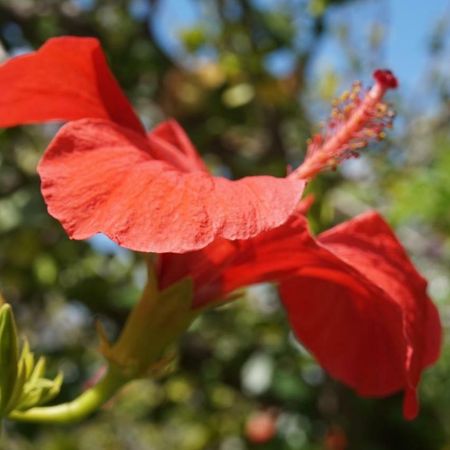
{"points": [[224, 266], [353, 298], [100, 177], [66, 79], [364, 312], [172, 142]]}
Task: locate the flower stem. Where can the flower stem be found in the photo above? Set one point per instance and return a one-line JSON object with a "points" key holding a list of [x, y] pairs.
{"points": [[79, 408]]}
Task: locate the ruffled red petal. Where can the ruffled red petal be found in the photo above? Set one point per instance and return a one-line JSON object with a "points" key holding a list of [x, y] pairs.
{"points": [[100, 177], [364, 312], [66, 79]]}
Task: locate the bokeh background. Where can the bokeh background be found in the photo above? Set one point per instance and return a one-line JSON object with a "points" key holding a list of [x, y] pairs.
{"points": [[250, 80]]}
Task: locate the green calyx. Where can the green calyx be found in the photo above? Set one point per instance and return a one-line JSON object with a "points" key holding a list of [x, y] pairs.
{"points": [[22, 381], [156, 322]]}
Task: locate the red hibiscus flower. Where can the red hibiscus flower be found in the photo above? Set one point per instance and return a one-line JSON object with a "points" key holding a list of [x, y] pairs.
{"points": [[103, 173], [352, 296]]}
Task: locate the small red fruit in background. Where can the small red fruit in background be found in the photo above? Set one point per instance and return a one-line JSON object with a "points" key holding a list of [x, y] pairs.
{"points": [[261, 427]]}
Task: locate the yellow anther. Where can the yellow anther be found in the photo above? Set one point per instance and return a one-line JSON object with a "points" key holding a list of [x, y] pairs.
{"points": [[345, 95], [348, 108], [370, 133]]}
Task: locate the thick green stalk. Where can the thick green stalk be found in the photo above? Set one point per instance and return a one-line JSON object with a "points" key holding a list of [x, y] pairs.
{"points": [[81, 407]]}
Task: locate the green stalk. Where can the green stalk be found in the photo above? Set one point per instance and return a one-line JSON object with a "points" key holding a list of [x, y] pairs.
{"points": [[81, 407]]}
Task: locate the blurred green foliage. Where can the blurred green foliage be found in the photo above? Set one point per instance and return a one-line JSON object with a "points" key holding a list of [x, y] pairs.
{"points": [[245, 119]]}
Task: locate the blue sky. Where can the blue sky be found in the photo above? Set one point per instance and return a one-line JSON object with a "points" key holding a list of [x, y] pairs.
{"points": [[410, 29], [407, 25]]}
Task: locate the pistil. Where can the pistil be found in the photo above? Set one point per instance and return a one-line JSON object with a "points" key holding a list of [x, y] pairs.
{"points": [[357, 118]]}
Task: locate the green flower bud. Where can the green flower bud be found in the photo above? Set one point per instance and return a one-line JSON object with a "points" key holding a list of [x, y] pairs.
{"points": [[8, 356]]}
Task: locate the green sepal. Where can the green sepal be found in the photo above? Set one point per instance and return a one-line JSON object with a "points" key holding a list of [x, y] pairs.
{"points": [[41, 391], [152, 327], [36, 390]]}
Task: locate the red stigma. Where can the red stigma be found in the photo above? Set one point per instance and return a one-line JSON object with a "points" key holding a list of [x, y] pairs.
{"points": [[386, 78]]}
